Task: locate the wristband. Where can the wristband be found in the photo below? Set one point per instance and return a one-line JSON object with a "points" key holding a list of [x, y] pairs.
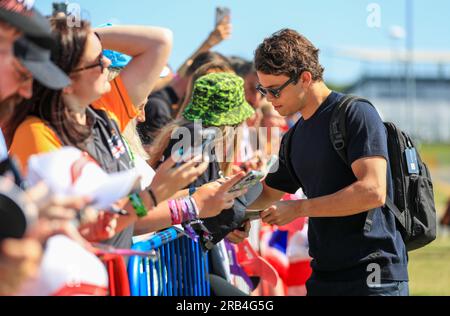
{"points": [[195, 207], [153, 197], [175, 213], [138, 205]]}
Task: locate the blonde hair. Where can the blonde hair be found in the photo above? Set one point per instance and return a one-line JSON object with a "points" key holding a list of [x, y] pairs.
{"points": [[130, 134]]}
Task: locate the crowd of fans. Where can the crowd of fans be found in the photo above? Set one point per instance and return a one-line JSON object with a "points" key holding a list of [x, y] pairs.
{"points": [[106, 98]]}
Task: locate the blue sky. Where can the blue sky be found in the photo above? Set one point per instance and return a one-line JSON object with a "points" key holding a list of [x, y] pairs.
{"points": [[329, 24]]}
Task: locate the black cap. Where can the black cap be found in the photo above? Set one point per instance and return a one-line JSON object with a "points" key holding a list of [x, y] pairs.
{"points": [[33, 48], [27, 20], [37, 60], [17, 212], [13, 223]]}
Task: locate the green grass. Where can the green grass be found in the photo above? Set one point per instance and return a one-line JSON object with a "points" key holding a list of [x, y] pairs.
{"points": [[441, 196], [435, 155], [429, 269]]}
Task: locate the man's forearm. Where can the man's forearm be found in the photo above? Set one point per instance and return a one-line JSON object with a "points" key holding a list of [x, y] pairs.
{"points": [[267, 198], [354, 199]]}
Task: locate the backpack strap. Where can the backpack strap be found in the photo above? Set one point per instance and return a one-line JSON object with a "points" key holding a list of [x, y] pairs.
{"points": [[338, 138], [286, 149], [399, 215], [338, 126]]}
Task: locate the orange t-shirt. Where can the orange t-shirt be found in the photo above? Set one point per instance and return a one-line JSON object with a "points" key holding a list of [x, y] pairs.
{"points": [[34, 136]]}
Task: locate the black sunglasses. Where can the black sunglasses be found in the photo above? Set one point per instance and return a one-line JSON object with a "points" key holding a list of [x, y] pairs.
{"points": [[275, 92], [100, 64]]}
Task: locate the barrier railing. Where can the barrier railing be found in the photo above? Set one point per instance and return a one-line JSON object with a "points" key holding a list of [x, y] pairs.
{"points": [[180, 267]]}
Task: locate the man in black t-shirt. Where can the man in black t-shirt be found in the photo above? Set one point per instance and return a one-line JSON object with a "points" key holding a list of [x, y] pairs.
{"points": [[347, 258]]}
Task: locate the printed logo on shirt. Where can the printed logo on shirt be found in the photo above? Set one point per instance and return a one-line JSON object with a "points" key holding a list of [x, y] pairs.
{"points": [[116, 146]]}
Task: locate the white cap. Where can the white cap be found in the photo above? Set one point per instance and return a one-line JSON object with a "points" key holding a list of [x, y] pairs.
{"points": [[70, 172]]}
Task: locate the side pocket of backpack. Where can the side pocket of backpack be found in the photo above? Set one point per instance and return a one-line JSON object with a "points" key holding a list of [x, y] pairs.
{"points": [[423, 211]]}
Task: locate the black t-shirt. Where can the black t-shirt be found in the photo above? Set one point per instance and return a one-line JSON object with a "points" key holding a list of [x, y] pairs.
{"points": [[158, 113], [340, 248]]}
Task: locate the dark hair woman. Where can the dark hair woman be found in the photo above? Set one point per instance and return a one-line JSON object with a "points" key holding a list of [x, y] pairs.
{"points": [[92, 112]]}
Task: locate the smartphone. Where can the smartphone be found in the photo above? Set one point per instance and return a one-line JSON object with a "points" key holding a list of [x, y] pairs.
{"points": [[222, 13], [59, 7], [252, 178]]}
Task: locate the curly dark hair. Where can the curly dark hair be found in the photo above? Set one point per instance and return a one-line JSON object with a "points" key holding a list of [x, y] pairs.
{"points": [[288, 53]]}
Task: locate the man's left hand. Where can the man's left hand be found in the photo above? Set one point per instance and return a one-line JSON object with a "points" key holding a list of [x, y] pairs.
{"points": [[281, 213]]}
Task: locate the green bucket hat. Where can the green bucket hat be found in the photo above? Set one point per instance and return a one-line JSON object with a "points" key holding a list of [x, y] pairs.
{"points": [[218, 99]]}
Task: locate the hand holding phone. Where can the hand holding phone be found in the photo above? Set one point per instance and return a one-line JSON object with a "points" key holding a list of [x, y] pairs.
{"points": [[59, 7], [252, 178], [221, 14]]}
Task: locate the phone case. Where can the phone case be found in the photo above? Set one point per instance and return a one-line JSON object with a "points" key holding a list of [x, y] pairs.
{"points": [[251, 179], [221, 13]]}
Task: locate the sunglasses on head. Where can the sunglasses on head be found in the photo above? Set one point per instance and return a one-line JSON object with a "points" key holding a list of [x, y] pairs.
{"points": [[276, 92]]}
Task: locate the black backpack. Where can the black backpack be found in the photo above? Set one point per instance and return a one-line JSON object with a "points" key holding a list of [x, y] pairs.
{"points": [[413, 204]]}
